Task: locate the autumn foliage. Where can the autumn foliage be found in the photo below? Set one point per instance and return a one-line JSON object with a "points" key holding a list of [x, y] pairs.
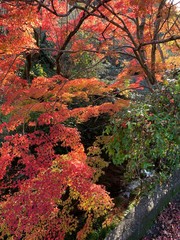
{"points": [[47, 186], [44, 174]]}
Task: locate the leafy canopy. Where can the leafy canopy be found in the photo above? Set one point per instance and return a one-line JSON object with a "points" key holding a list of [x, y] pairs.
{"points": [[48, 187]]}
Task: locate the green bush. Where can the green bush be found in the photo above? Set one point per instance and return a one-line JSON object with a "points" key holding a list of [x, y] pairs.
{"points": [[85, 66], [145, 137]]}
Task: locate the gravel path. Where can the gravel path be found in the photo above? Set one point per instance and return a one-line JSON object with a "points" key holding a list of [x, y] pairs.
{"points": [[167, 226]]}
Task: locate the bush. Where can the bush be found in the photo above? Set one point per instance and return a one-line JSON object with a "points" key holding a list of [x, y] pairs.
{"points": [[144, 137]]}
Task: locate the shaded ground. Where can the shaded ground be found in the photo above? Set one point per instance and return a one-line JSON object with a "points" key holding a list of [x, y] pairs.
{"points": [[167, 226]]}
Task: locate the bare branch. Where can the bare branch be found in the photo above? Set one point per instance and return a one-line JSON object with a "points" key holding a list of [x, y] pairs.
{"points": [[170, 39]]}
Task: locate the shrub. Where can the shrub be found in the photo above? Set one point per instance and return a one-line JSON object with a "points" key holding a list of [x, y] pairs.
{"points": [[144, 137]]}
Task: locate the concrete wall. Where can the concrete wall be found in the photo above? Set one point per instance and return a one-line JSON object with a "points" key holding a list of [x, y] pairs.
{"points": [[141, 217]]}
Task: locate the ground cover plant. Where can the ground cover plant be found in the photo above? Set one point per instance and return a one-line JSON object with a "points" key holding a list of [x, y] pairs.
{"points": [[54, 144]]}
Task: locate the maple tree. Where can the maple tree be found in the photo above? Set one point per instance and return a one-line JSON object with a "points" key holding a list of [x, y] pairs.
{"points": [[116, 28], [48, 187], [44, 163]]}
